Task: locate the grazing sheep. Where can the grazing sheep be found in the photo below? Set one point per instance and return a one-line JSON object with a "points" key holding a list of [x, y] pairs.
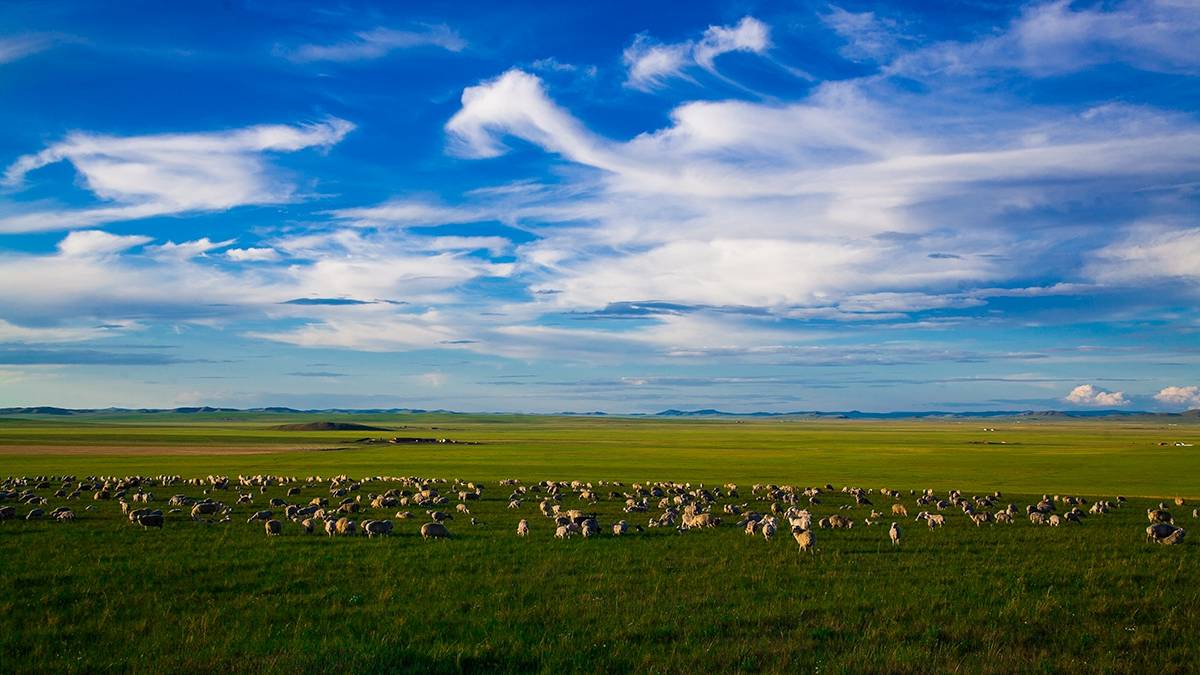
{"points": [[35, 514], [1159, 515], [894, 533], [330, 528], [377, 528], [523, 528], [619, 528], [1055, 520], [434, 530], [562, 532], [345, 527], [273, 528], [205, 509], [259, 515], [899, 510], [307, 524], [152, 519], [768, 529]]}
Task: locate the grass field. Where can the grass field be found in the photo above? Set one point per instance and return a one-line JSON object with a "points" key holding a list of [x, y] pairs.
{"points": [[99, 595]]}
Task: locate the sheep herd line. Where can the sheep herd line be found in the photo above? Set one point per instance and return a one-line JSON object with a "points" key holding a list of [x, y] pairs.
{"points": [[349, 506]]}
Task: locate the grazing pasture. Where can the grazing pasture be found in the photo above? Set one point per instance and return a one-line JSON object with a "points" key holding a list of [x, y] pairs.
{"points": [[98, 593]]}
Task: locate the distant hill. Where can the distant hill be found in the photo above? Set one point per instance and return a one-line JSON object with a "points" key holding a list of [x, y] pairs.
{"points": [[1189, 416], [327, 426]]}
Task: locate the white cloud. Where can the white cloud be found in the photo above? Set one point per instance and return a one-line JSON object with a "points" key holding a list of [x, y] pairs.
{"points": [[1148, 252], [1088, 395], [97, 242], [187, 249], [867, 35], [15, 47], [379, 42], [406, 212], [1054, 38], [143, 176], [809, 204], [260, 254], [95, 276], [651, 64], [11, 332], [434, 379], [1179, 396], [748, 35]]}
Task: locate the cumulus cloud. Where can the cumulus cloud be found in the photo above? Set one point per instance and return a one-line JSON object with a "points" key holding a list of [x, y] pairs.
{"points": [[1179, 396], [651, 64], [98, 242], [144, 176], [1089, 395], [379, 42], [253, 254]]}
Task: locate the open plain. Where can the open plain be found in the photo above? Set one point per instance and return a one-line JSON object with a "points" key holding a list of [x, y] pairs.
{"points": [[98, 593]]}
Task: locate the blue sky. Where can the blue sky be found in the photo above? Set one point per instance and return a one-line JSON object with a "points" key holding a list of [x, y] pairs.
{"points": [[600, 206]]}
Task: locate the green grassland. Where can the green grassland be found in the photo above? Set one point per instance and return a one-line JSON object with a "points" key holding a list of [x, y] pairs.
{"points": [[101, 595]]}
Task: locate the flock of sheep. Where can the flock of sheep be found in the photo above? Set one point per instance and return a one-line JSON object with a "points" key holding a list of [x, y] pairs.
{"points": [[565, 504]]}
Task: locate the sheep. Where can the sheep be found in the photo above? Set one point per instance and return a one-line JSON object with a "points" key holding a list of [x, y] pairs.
{"points": [[1165, 533], [1159, 515], [205, 509], [619, 528], [377, 528], [307, 524], [899, 510], [345, 526], [434, 530], [1055, 520], [562, 532], [804, 538], [523, 528], [273, 528], [259, 515], [894, 533], [330, 528], [768, 529], [35, 514], [151, 519]]}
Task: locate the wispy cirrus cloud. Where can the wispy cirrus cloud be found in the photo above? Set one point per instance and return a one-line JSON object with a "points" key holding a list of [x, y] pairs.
{"points": [[1059, 37], [377, 43], [651, 64], [16, 47], [142, 176]]}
